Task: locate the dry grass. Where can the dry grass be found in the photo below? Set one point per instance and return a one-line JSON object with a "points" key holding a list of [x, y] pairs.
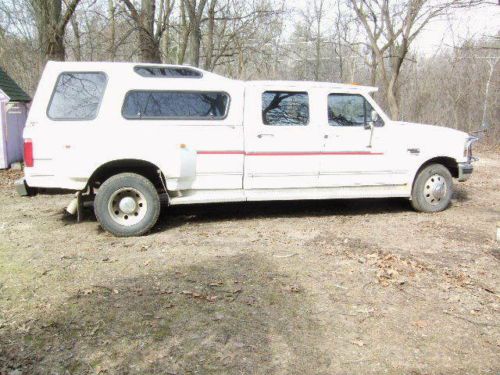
{"points": [[284, 288]]}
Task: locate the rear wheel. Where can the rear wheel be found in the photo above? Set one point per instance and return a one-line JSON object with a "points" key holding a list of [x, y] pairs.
{"points": [[127, 204], [433, 189]]}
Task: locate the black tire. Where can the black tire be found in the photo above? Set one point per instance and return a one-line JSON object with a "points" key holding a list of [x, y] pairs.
{"points": [[423, 198], [123, 182]]}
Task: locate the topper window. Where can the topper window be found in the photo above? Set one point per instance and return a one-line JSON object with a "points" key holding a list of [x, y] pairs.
{"points": [[77, 96]]}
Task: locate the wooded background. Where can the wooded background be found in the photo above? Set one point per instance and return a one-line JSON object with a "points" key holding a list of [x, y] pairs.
{"points": [[369, 42]]}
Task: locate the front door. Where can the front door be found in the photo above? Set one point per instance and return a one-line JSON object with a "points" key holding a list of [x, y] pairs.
{"points": [[352, 155], [281, 140]]}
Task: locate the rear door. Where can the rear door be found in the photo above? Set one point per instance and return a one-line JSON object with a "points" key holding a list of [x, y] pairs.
{"points": [[281, 138]]}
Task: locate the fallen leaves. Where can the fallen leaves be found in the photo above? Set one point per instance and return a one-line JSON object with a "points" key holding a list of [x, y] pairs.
{"points": [[359, 343], [393, 269], [109, 260], [200, 296], [294, 288], [420, 323], [216, 284]]}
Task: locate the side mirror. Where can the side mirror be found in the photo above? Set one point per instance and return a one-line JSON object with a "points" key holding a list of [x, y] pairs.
{"points": [[371, 125], [373, 119]]}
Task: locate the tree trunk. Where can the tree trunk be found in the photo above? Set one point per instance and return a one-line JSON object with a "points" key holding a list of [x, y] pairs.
{"points": [[78, 44], [165, 41], [51, 27], [373, 70], [195, 42], [492, 65], [184, 36], [318, 55], [148, 42], [149, 47], [392, 97], [318, 10], [210, 36], [112, 30], [55, 50], [195, 13]]}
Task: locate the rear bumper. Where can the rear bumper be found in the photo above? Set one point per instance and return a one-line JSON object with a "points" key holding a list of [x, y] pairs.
{"points": [[464, 171], [23, 189]]}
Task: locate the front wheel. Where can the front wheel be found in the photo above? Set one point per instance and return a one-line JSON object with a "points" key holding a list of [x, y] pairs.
{"points": [[127, 204], [432, 189]]}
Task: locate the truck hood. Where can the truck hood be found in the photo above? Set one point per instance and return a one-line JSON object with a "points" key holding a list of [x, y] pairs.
{"points": [[432, 140], [431, 130]]}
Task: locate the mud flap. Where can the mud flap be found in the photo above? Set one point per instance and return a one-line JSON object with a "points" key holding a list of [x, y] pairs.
{"points": [[79, 207]]}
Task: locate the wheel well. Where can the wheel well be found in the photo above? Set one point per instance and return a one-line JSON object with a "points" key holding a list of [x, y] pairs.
{"points": [[141, 167], [448, 162]]}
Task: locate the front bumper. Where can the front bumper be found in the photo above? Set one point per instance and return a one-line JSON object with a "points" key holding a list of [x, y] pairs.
{"points": [[464, 171], [23, 189]]}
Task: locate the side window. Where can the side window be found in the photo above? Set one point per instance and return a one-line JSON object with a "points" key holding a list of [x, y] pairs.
{"points": [[175, 105], [77, 96], [167, 72], [285, 108], [349, 110]]}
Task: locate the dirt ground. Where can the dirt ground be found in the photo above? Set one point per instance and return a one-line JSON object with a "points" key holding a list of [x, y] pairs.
{"points": [[321, 287]]}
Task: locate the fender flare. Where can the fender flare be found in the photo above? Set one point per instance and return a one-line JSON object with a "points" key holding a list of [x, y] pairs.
{"points": [[449, 162], [143, 167]]}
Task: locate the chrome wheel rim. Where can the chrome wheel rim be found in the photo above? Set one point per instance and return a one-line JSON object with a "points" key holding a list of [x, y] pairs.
{"points": [[127, 206], [435, 189]]}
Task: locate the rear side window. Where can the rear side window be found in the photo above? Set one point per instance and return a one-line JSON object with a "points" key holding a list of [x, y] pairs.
{"points": [[175, 105], [285, 108], [77, 96]]}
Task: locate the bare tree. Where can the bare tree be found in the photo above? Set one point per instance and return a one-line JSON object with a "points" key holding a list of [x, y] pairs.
{"points": [[112, 30], [149, 30], [318, 17], [194, 10], [210, 35], [166, 9], [391, 28], [51, 24]]}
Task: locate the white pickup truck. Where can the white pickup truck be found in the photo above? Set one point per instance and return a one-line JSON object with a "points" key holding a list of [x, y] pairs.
{"points": [[125, 133]]}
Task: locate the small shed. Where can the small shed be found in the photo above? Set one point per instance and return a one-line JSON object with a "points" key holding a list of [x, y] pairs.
{"points": [[14, 105]]}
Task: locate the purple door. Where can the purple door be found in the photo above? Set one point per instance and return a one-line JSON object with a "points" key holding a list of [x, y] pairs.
{"points": [[16, 119]]}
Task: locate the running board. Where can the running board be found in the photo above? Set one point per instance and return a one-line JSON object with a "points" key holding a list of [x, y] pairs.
{"points": [[343, 192]]}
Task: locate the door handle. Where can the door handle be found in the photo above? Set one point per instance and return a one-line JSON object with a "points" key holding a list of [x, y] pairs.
{"points": [[265, 135]]}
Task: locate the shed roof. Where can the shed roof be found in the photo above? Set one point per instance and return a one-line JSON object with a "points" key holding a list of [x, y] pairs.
{"points": [[12, 89]]}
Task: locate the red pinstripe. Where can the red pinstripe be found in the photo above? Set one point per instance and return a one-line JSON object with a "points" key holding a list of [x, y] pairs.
{"points": [[292, 153]]}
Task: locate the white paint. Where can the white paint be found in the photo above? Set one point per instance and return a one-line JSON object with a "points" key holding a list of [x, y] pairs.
{"points": [[237, 158]]}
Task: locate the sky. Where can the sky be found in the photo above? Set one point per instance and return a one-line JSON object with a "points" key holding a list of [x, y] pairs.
{"points": [[476, 22], [448, 31]]}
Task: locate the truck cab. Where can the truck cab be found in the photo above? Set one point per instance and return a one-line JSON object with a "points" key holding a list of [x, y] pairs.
{"points": [[122, 134]]}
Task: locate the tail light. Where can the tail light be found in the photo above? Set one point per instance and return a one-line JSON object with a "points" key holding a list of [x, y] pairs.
{"points": [[28, 153]]}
